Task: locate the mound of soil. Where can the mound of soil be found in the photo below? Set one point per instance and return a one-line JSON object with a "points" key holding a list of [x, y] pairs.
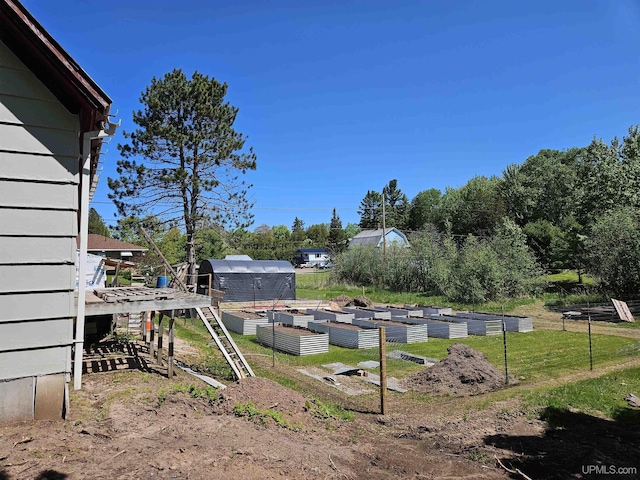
{"points": [[268, 395], [464, 371], [342, 300], [360, 301]]}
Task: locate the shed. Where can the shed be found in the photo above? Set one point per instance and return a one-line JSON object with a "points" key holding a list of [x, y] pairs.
{"points": [[248, 280]]}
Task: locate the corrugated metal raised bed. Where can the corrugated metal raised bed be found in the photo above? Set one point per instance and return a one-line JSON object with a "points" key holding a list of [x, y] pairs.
{"points": [[243, 321], [402, 312], [397, 331], [362, 312], [433, 310], [474, 327], [331, 315], [512, 323], [440, 328], [345, 335], [293, 340], [295, 318]]}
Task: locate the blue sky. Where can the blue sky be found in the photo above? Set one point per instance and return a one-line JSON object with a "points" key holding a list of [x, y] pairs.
{"points": [[339, 97]]}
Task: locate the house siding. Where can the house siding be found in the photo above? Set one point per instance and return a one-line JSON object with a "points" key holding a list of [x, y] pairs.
{"points": [[39, 176]]}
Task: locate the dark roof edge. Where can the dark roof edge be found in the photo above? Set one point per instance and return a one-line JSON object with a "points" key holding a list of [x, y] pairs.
{"points": [[31, 37]]}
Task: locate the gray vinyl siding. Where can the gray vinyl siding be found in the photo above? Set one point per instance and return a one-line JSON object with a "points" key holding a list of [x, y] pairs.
{"points": [[39, 176]]}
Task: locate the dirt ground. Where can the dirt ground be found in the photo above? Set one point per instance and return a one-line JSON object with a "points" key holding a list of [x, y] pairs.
{"points": [[134, 423]]}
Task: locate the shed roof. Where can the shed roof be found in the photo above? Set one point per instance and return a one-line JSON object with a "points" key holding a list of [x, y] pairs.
{"points": [[311, 250], [374, 237], [246, 266]]}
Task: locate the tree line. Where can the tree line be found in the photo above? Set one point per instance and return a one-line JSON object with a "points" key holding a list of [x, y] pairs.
{"points": [[181, 174]]}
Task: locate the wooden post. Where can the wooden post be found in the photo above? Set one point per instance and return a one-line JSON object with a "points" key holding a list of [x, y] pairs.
{"points": [[152, 333], [383, 370], [160, 334], [209, 291], [170, 357]]}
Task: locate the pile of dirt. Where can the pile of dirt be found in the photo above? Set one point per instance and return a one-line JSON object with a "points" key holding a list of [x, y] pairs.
{"points": [[342, 300], [464, 371], [265, 395], [360, 301], [347, 301]]}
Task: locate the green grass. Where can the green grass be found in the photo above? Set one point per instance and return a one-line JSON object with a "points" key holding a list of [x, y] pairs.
{"points": [[532, 356], [569, 276], [602, 396]]}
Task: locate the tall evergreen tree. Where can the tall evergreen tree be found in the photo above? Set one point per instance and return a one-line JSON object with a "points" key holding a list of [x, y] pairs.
{"points": [[370, 210], [191, 157], [96, 224], [397, 205], [337, 238]]}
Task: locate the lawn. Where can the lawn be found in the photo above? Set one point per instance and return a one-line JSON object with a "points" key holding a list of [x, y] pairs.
{"points": [[532, 356]]}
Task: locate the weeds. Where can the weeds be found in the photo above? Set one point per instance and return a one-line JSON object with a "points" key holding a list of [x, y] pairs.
{"points": [[253, 413]]}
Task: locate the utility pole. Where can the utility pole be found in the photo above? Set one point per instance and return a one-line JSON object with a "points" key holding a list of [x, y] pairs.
{"points": [[384, 228]]}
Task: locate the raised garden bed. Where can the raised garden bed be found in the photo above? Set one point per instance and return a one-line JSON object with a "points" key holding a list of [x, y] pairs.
{"points": [[397, 331], [243, 321], [294, 318], [361, 312], [345, 335], [331, 315], [512, 323], [293, 340], [440, 328]]}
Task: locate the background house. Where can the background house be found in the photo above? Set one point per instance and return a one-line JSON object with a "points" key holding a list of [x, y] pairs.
{"points": [[374, 238], [311, 257], [52, 120], [112, 248]]}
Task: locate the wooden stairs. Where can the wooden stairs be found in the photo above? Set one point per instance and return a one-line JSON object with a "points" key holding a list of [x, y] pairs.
{"points": [[225, 343]]}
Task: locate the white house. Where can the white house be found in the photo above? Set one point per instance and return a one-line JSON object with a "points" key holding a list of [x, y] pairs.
{"points": [[311, 257], [53, 117], [375, 238]]}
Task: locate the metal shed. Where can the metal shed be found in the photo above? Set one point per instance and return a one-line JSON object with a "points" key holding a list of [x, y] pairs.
{"points": [[248, 280]]}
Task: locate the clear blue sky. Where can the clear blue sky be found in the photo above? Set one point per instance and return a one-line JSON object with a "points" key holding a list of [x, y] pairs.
{"points": [[339, 97]]}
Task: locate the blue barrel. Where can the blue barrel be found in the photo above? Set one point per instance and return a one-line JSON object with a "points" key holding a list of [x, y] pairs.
{"points": [[163, 282]]}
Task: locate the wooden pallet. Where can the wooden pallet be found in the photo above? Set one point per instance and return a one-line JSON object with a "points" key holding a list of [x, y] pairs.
{"points": [[133, 294]]}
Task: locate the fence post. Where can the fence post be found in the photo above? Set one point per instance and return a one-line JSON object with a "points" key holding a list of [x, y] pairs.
{"points": [[383, 370], [504, 342]]}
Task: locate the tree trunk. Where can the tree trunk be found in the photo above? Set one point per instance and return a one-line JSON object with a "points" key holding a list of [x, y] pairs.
{"points": [[191, 257]]}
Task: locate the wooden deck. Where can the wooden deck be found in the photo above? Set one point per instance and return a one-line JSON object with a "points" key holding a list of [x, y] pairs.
{"points": [[141, 299]]}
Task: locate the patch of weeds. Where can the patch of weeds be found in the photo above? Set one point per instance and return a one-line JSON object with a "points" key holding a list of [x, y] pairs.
{"points": [[162, 397], [215, 366], [208, 393], [261, 417], [476, 455], [323, 410]]}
